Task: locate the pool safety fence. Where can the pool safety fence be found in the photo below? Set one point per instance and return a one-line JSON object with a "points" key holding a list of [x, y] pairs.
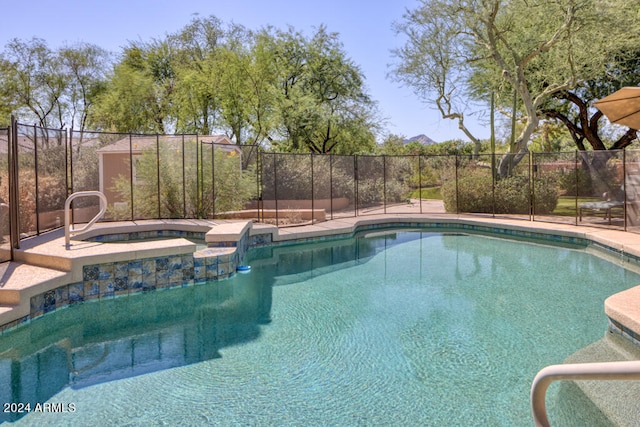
{"points": [[210, 177]]}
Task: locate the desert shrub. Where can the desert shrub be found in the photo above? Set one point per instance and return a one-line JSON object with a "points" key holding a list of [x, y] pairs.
{"points": [[569, 186], [473, 193], [231, 188], [52, 193], [476, 193], [293, 175], [545, 195], [370, 192]]}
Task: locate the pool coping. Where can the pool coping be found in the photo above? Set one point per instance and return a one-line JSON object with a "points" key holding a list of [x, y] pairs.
{"points": [[43, 263]]}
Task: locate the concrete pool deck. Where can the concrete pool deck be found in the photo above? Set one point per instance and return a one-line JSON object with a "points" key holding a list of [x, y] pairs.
{"points": [[43, 263]]}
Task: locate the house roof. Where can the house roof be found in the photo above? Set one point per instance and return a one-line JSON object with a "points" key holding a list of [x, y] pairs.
{"points": [[136, 144]]}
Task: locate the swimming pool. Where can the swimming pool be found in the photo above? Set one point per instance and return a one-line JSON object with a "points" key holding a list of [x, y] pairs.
{"points": [[390, 328]]}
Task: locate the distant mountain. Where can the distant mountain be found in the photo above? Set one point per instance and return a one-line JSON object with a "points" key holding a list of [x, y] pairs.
{"points": [[422, 139]]}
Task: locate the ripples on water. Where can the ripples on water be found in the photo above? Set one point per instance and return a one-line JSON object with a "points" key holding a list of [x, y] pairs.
{"points": [[402, 328]]}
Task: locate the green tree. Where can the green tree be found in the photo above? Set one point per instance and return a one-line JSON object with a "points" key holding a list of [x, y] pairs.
{"points": [[573, 108], [392, 145], [534, 49], [85, 65], [32, 82], [198, 47], [53, 88], [321, 100], [137, 98]]}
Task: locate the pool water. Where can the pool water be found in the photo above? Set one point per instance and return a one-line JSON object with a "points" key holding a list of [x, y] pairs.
{"points": [[396, 328]]}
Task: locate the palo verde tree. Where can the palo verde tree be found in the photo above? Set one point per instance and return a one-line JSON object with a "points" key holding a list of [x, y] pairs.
{"points": [[321, 101], [84, 65], [32, 82], [52, 88], [138, 93], [533, 50]]}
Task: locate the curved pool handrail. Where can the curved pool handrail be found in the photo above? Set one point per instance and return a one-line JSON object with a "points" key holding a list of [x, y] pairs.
{"points": [[627, 370], [68, 227]]}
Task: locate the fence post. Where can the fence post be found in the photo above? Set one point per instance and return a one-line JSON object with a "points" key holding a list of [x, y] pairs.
{"points": [[312, 192], [158, 170], [35, 170], [14, 196], [532, 192], [420, 183], [331, 183], [355, 183], [456, 178], [67, 164], [184, 182], [213, 180], [275, 186], [199, 177], [493, 184], [384, 182], [624, 185], [131, 172], [259, 193], [575, 177]]}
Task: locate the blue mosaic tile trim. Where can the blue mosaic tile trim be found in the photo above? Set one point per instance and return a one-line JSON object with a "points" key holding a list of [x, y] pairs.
{"points": [[54, 299], [109, 280], [120, 278], [261, 240], [8, 327], [447, 226], [142, 235], [618, 328]]}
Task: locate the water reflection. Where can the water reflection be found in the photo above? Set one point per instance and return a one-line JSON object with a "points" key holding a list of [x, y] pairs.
{"points": [[112, 339], [125, 337]]}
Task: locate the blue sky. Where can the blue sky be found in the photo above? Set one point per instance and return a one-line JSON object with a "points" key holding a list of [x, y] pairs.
{"points": [[365, 29]]}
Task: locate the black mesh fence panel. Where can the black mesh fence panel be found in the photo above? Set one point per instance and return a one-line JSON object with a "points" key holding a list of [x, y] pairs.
{"points": [[207, 184], [99, 161], [294, 187], [473, 186], [5, 241], [250, 169], [400, 173], [555, 187], [632, 190], [171, 176], [233, 187], [192, 191], [438, 184], [145, 176], [370, 184], [322, 194], [26, 140], [287, 188], [187, 176], [268, 190], [600, 188], [512, 192], [51, 172], [343, 186]]}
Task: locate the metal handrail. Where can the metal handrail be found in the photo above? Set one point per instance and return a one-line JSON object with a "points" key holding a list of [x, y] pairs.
{"points": [[628, 370], [68, 227]]}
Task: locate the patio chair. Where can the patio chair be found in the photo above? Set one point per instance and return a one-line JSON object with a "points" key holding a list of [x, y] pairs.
{"points": [[612, 200]]}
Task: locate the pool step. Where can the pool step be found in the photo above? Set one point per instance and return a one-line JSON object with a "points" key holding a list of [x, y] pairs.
{"points": [[618, 400], [19, 282]]}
